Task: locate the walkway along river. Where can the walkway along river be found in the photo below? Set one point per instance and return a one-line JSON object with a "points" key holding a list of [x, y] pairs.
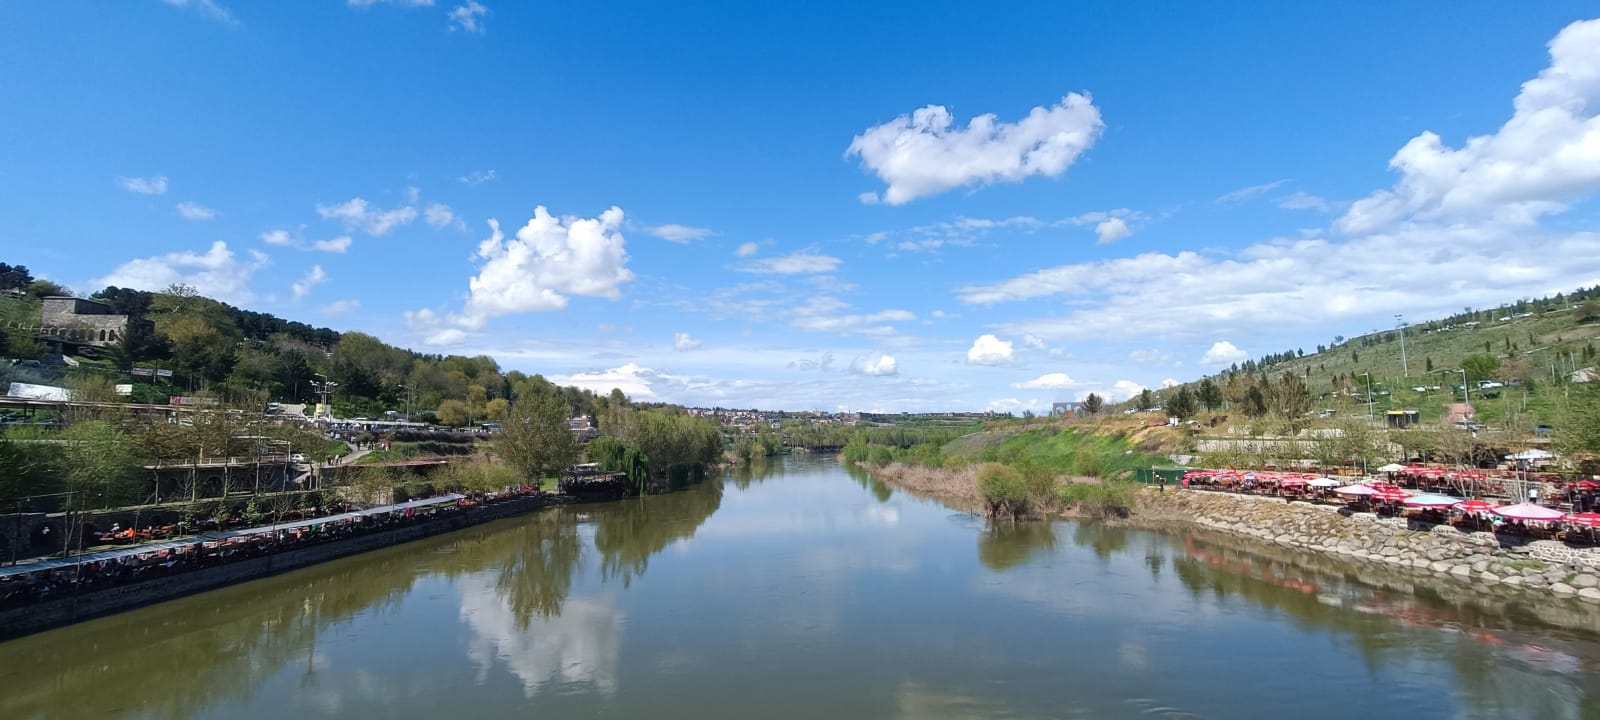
{"points": [[811, 592]]}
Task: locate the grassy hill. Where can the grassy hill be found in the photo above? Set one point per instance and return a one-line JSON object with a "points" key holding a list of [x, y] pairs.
{"points": [[1542, 343]]}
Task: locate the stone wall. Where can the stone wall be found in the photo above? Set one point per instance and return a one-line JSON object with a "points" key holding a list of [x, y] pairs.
{"points": [[68, 610], [1443, 551]]}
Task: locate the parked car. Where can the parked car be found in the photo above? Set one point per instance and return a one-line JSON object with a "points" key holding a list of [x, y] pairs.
{"points": [[297, 458]]}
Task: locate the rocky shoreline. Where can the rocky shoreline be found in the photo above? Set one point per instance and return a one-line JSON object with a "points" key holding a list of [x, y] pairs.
{"points": [[1480, 558]]}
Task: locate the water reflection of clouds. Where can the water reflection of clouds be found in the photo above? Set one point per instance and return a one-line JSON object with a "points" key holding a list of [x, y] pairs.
{"points": [[581, 645]]}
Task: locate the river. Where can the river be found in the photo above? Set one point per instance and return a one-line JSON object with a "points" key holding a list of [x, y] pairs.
{"points": [[805, 591]]}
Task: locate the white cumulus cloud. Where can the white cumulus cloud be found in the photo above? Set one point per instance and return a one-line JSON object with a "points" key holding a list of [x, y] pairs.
{"points": [[747, 249], [1546, 154], [683, 343], [1047, 381], [924, 154], [1223, 352], [217, 273], [333, 245], [875, 364], [990, 350], [546, 261], [144, 186], [195, 211]]}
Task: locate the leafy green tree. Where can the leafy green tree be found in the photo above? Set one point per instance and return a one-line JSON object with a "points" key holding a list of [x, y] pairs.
{"points": [[1579, 429], [1480, 367], [453, 413], [99, 465], [536, 438], [1255, 402], [1146, 399], [1092, 404]]}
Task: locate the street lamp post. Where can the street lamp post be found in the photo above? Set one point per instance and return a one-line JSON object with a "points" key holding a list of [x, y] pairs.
{"points": [[1405, 367], [1368, 376], [408, 402]]}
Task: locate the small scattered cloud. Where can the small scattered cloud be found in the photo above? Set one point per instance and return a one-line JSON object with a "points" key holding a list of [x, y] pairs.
{"points": [[990, 350], [468, 17], [1047, 381], [340, 307], [1111, 230], [875, 365], [401, 3], [1253, 191], [1300, 200], [195, 211], [800, 263], [1032, 342], [358, 214], [439, 215], [747, 249], [924, 153], [679, 233], [206, 8], [333, 245], [283, 238], [302, 288], [1169, 383], [1149, 357], [156, 185], [1223, 352], [681, 342], [477, 177]]}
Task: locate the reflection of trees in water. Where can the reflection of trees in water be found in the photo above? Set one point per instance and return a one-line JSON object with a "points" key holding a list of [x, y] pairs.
{"points": [[536, 561], [1497, 675], [1103, 539], [759, 468], [628, 532], [1005, 545], [179, 658], [878, 488]]}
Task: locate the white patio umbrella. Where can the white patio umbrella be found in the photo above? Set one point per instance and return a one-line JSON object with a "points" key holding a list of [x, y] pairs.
{"points": [[1392, 467], [1531, 455], [1323, 482], [1431, 500], [1355, 490]]}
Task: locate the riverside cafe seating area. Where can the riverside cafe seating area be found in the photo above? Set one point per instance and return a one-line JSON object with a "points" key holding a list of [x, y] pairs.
{"points": [[39, 581], [1568, 511]]}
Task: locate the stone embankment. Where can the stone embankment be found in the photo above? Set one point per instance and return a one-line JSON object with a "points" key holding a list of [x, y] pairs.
{"points": [[1543, 566]]}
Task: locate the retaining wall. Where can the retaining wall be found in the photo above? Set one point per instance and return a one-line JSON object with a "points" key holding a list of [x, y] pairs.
{"points": [[1480, 557]]}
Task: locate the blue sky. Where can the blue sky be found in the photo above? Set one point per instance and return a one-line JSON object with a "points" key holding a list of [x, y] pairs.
{"points": [[794, 206]]}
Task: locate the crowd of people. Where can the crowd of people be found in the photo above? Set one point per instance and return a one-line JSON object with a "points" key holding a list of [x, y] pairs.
{"points": [[20, 587]]}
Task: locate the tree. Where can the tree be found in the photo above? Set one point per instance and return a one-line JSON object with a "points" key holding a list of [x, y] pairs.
{"points": [[1579, 430], [1182, 405], [1480, 367], [1209, 394], [1092, 404], [495, 410], [98, 462], [1291, 399], [1255, 402], [1589, 311], [453, 413], [1146, 399], [536, 438]]}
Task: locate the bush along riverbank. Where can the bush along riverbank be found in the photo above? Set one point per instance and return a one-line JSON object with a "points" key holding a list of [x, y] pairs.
{"points": [[1019, 474], [1442, 551]]}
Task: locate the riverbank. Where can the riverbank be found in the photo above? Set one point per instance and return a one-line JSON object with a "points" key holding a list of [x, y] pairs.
{"points": [[77, 607], [1544, 567]]}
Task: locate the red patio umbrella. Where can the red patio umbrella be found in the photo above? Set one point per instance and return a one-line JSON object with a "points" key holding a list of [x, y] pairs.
{"points": [[1474, 506], [1588, 519], [1390, 494], [1587, 485]]}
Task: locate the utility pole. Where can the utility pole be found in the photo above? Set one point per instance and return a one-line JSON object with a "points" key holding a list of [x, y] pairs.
{"points": [[1405, 367], [1368, 376], [408, 402]]}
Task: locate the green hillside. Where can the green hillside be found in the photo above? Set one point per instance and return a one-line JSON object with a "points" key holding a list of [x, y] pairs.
{"points": [[1532, 347]]}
